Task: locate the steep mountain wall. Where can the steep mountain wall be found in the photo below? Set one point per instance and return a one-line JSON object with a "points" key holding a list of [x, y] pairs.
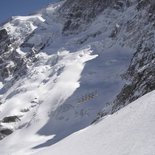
{"points": [[141, 72], [79, 13]]}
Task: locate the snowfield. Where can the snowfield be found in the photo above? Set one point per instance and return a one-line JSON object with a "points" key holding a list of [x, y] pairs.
{"points": [[69, 80], [130, 131]]}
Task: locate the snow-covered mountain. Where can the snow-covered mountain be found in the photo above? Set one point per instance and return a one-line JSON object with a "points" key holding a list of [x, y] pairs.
{"points": [[71, 63], [129, 131]]}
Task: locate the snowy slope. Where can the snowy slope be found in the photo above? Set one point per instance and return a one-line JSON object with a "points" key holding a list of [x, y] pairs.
{"points": [[65, 81], [130, 131]]}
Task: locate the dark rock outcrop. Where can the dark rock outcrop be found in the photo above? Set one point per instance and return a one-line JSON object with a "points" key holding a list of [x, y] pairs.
{"points": [[78, 13], [10, 119], [10, 60], [5, 132], [4, 41]]}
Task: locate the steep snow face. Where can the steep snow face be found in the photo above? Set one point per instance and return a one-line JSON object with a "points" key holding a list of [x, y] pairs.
{"points": [[64, 81], [20, 27], [129, 131], [67, 80], [43, 90]]}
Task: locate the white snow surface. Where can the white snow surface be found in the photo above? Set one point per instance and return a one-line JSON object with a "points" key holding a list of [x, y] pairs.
{"points": [[130, 131]]}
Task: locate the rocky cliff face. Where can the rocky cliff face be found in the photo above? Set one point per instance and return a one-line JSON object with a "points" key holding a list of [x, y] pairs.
{"points": [[140, 73], [10, 60], [79, 13]]}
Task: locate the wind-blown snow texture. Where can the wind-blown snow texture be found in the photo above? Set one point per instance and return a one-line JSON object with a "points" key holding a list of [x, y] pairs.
{"points": [[57, 77], [129, 131]]}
